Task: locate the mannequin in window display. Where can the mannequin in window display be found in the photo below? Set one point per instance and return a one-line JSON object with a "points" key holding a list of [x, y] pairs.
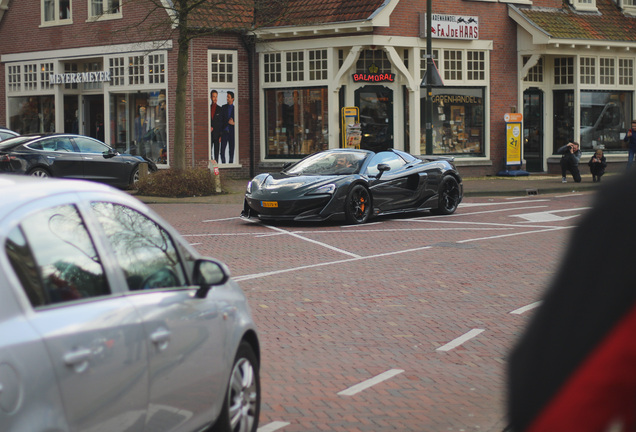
{"points": [[216, 124], [160, 124], [141, 128], [227, 138]]}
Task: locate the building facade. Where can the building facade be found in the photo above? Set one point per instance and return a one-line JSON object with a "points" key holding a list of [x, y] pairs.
{"points": [[87, 66]]}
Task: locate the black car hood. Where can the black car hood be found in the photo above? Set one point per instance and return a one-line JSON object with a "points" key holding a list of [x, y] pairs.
{"points": [[285, 186]]}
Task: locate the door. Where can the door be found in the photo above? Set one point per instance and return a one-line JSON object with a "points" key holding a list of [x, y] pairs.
{"points": [[376, 117], [533, 129], [63, 158], [395, 189], [94, 116], [96, 166]]}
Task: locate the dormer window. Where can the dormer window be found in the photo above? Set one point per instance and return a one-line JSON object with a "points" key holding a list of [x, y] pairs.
{"points": [[628, 6], [584, 5]]}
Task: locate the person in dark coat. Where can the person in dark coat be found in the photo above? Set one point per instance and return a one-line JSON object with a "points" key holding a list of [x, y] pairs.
{"points": [[571, 155], [216, 125], [630, 139], [597, 165], [227, 139]]}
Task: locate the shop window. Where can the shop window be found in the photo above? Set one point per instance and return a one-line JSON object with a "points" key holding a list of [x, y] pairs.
{"points": [[92, 67], [453, 65], [104, 9], [221, 68], [156, 69], [32, 114], [30, 77], [14, 77], [564, 70], [458, 121], [318, 65], [476, 67], [138, 124], [626, 72], [296, 121], [587, 70], [535, 74], [117, 71], [375, 60], [56, 11], [272, 67], [605, 115], [294, 65], [135, 70], [606, 71]]}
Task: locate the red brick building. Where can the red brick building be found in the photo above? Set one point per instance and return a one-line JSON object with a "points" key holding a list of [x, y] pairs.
{"points": [[65, 65]]}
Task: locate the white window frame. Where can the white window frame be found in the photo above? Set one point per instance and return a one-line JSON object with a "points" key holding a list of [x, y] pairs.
{"points": [[608, 78], [535, 73], [120, 66], [290, 77], [229, 83], [587, 70], [625, 71], [565, 80], [584, 5], [56, 7], [439, 54], [29, 78], [104, 15]]}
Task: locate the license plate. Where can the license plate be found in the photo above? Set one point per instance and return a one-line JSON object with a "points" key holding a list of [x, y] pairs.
{"points": [[270, 204]]}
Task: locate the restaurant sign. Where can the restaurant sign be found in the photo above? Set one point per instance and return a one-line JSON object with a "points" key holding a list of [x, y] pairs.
{"points": [[373, 75], [451, 26]]}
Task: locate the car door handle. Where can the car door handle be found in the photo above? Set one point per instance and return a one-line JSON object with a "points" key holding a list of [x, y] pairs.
{"points": [[78, 359], [160, 338]]}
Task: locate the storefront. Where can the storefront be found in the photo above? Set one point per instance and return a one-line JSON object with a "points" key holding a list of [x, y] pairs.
{"points": [[303, 91], [118, 96]]}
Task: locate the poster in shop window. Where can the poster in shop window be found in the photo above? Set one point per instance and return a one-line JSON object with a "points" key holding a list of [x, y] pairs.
{"points": [[223, 121]]}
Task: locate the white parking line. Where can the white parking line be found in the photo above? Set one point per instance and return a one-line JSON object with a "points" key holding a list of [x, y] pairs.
{"points": [[460, 340], [273, 426], [370, 382], [526, 308], [314, 241], [465, 205], [220, 220]]}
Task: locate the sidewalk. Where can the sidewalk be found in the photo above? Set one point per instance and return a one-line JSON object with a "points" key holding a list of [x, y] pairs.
{"points": [[537, 184]]}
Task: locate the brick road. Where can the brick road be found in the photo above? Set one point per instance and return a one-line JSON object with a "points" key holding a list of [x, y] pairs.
{"points": [[339, 305]]}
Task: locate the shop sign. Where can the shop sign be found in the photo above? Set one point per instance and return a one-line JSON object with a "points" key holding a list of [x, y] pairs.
{"points": [[451, 26], [377, 77], [514, 122], [78, 78]]}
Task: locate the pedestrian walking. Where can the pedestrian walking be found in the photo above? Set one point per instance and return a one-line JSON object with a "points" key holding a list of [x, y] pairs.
{"points": [[597, 165], [571, 155], [630, 139]]}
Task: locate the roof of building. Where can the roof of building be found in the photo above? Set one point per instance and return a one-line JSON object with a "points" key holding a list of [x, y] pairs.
{"points": [[608, 24], [307, 12]]}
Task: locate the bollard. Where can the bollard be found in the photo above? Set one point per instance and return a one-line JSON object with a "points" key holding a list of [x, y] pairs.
{"points": [[143, 170], [214, 168]]}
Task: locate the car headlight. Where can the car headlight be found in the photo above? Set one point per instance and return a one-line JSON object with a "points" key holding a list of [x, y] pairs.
{"points": [[322, 190]]}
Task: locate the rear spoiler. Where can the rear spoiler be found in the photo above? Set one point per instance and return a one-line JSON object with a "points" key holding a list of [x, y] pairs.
{"points": [[429, 158]]}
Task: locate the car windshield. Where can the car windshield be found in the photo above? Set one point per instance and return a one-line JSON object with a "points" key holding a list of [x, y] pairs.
{"points": [[329, 163]]}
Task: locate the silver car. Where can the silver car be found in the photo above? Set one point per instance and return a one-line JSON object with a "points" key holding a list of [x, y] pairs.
{"points": [[111, 322]]}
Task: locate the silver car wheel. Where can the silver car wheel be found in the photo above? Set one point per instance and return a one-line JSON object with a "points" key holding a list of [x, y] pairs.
{"points": [[243, 396], [39, 172]]}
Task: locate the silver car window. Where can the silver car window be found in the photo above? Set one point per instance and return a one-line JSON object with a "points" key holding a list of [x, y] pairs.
{"points": [[144, 250], [87, 145], [388, 158], [55, 259]]}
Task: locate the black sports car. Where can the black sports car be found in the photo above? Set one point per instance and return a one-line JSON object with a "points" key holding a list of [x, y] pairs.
{"points": [[355, 185], [70, 156]]}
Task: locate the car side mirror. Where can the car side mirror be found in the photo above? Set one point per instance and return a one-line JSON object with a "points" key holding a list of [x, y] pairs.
{"points": [[110, 153], [208, 273], [382, 167]]}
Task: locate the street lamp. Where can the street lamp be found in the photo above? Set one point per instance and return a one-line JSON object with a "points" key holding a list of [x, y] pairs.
{"points": [[431, 77]]}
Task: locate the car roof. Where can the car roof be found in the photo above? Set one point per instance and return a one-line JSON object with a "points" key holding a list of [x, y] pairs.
{"points": [[21, 189]]}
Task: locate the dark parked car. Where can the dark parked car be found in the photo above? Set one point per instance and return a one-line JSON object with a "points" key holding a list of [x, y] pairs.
{"points": [[111, 321], [355, 185], [7, 133], [70, 156]]}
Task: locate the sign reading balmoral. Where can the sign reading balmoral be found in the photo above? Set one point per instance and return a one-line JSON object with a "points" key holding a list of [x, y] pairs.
{"points": [[451, 26]]}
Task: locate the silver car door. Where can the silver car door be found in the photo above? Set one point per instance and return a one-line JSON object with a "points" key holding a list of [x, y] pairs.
{"points": [[186, 334], [94, 339]]}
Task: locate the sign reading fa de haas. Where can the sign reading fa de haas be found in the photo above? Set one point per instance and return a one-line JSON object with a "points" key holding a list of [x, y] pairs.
{"points": [[451, 26]]}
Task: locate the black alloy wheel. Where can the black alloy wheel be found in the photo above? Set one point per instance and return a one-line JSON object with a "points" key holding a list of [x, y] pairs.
{"points": [[358, 205], [448, 196]]}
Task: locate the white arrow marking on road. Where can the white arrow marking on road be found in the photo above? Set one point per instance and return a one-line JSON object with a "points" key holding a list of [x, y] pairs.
{"points": [[460, 340], [550, 216], [273, 426], [370, 382]]}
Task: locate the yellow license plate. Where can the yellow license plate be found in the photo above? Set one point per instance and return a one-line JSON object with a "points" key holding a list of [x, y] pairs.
{"points": [[269, 203]]}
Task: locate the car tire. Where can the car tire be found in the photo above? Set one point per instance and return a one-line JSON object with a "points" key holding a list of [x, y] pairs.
{"points": [[134, 177], [39, 172], [448, 196], [242, 403], [358, 205]]}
